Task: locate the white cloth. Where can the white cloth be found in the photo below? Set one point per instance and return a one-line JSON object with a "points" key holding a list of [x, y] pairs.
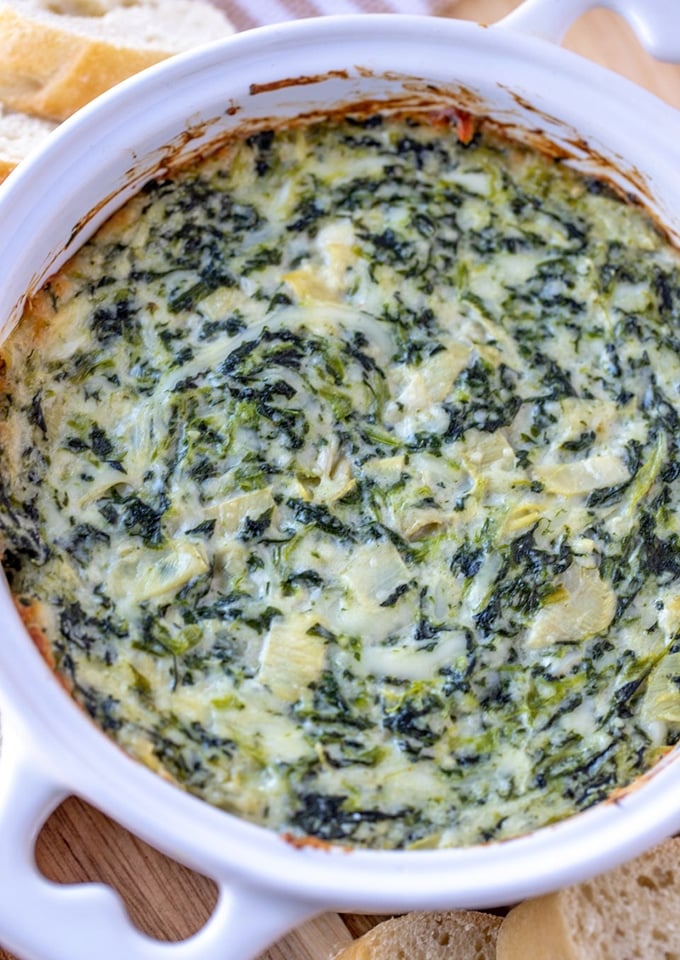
{"points": [[252, 13]]}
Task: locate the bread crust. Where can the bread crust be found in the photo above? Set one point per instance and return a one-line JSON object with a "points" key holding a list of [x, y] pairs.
{"points": [[629, 911], [536, 930], [51, 66], [6, 167], [51, 73], [460, 935]]}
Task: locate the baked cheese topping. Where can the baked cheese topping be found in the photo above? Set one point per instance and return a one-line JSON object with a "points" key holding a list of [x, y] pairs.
{"points": [[340, 473]]}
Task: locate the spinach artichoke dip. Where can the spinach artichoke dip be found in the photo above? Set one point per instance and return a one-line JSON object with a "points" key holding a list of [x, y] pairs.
{"points": [[341, 478]]}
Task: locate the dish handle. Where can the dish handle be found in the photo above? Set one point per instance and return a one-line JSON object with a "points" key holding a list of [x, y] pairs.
{"points": [[43, 920], [655, 22]]}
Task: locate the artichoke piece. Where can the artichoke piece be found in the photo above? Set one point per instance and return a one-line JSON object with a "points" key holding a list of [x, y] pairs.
{"points": [[480, 450], [337, 244], [578, 417], [649, 471], [432, 380], [386, 471], [368, 592], [662, 698], [521, 517], [490, 461], [219, 304], [443, 368], [330, 478], [142, 573], [419, 524], [376, 571], [105, 479], [325, 282], [669, 618], [429, 842], [308, 287], [582, 476], [631, 297], [231, 513], [584, 605], [472, 180], [292, 658]]}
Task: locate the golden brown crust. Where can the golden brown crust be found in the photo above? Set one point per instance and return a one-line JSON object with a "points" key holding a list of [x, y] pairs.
{"points": [[463, 935], [629, 911], [52, 64], [534, 930], [6, 167], [51, 73], [300, 843], [34, 615]]}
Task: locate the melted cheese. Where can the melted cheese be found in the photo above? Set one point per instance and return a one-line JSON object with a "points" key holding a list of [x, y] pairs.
{"points": [[343, 469]]}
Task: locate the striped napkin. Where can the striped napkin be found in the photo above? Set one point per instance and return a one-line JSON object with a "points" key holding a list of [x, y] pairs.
{"points": [[253, 13]]}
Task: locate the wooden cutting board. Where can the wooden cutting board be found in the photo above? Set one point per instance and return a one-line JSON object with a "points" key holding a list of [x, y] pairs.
{"points": [[164, 899]]}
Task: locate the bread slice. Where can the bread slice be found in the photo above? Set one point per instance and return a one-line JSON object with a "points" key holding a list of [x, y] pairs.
{"points": [[464, 935], [19, 136], [57, 55], [632, 912]]}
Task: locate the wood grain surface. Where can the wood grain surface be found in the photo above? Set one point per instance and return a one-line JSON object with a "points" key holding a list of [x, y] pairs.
{"points": [[166, 900]]}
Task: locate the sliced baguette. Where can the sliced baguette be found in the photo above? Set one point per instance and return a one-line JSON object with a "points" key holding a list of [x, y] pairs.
{"points": [[19, 136], [632, 912], [465, 935], [57, 55]]}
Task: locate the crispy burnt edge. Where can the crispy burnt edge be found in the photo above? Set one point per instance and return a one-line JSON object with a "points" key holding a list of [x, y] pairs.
{"points": [[33, 614], [309, 842]]}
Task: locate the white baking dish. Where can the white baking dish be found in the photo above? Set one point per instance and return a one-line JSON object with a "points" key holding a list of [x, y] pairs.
{"points": [[48, 208]]}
